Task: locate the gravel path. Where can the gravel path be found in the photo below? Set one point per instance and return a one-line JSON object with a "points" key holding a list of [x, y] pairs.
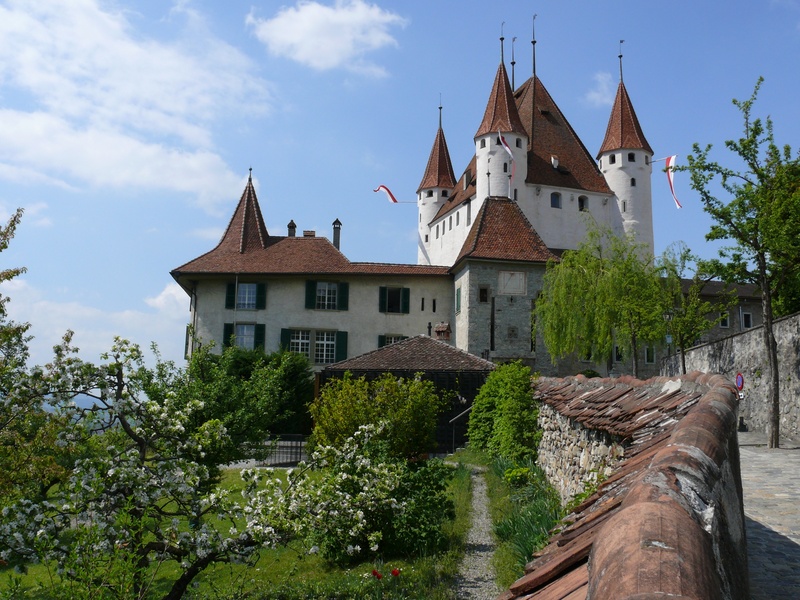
{"points": [[476, 577]]}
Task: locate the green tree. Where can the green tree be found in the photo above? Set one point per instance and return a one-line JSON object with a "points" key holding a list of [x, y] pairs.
{"points": [[607, 292], [408, 408], [504, 417], [757, 209], [689, 313]]}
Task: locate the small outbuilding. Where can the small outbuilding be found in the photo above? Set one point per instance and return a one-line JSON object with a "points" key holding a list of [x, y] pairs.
{"points": [[451, 370]]}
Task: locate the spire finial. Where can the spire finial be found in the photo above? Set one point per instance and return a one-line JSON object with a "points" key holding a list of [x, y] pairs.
{"points": [[440, 110], [513, 62], [502, 44], [250, 177], [620, 59], [533, 44]]}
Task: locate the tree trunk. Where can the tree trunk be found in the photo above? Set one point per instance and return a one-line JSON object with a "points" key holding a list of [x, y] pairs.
{"points": [[773, 381]]}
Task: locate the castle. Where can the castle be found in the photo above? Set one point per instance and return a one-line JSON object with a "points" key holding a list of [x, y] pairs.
{"points": [[529, 192]]}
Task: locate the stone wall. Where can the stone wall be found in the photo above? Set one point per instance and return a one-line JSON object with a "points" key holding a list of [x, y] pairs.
{"points": [[573, 456], [744, 353]]}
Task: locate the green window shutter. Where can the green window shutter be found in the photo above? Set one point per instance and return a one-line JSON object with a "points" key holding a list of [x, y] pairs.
{"points": [[341, 345], [311, 294], [382, 299], [286, 337], [381, 341], [405, 301], [342, 294], [261, 296], [230, 295], [227, 334], [259, 337]]}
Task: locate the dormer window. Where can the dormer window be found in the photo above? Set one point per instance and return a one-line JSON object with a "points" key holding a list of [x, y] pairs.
{"points": [[631, 157]]}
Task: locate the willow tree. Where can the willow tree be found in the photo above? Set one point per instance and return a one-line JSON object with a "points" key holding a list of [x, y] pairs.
{"points": [[606, 293], [758, 211]]}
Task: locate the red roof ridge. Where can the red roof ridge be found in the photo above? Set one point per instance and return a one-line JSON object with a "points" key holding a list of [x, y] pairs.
{"points": [[624, 130], [501, 110]]}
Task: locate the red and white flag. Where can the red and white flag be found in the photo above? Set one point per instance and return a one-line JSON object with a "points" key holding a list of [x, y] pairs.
{"points": [[505, 145], [388, 192], [671, 163]]}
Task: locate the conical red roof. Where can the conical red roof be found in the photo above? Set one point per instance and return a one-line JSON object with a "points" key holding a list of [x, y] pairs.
{"points": [[623, 129], [439, 172], [501, 111]]}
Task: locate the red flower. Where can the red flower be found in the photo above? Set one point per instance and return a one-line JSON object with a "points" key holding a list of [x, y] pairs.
{"points": [[376, 574], [395, 572]]}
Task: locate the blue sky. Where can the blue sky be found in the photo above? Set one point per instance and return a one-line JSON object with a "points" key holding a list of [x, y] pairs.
{"points": [[127, 128]]}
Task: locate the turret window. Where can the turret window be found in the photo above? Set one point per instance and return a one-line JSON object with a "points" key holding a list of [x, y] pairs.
{"points": [[444, 193], [457, 215], [505, 167], [519, 143], [483, 143], [631, 157], [646, 160], [555, 200], [633, 181], [612, 159], [429, 194], [497, 141]]}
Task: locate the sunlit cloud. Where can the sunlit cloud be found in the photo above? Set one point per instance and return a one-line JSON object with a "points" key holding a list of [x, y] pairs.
{"points": [[329, 37], [602, 94]]}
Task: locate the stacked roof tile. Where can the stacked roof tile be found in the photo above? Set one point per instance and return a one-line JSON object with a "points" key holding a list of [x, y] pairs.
{"points": [[640, 536]]}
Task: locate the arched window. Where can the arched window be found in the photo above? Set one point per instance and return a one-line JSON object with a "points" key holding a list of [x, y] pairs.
{"points": [[555, 200]]}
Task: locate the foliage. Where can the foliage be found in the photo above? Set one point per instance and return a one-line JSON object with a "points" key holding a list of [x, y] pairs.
{"points": [[504, 416], [607, 292], [524, 509], [758, 212], [689, 314], [408, 408]]}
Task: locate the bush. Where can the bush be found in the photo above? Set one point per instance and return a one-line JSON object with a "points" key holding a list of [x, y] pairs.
{"points": [[407, 408], [504, 418]]}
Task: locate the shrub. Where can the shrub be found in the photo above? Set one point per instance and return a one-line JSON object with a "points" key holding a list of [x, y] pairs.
{"points": [[504, 418], [408, 409]]}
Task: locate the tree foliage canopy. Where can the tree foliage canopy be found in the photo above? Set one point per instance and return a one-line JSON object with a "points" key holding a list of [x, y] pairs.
{"points": [[755, 207]]}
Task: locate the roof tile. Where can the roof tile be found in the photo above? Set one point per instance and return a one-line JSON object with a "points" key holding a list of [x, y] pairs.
{"points": [[623, 129]]}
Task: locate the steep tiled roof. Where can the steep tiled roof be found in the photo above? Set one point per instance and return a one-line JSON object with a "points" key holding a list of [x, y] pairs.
{"points": [[502, 232], [553, 136], [623, 129], [439, 172], [637, 536], [463, 192], [247, 248], [419, 353], [501, 110]]}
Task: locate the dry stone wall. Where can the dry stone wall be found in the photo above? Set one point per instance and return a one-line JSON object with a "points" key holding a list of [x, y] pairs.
{"points": [[573, 456]]}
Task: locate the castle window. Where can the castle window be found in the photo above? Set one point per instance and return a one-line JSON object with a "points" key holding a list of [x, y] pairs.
{"points": [[422, 305], [429, 194], [444, 193], [724, 320], [515, 194], [650, 354], [555, 200], [327, 295], [469, 212], [433, 308], [612, 159], [631, 157], [323, 347], [394, 300], [458, 300], [457, 215], [450, 223], [388, 339], [483, 294], [246, 296], [747, 320], [505, 167], [633, 181], [519, 143], [437, 231], [646, 159], [483, 143], [624, 206], [497, 141], [583, 203], [426, 238]]}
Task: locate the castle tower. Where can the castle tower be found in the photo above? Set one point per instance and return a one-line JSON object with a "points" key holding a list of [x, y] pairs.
{"points": [[496, 173], [625, 161], [434, 190]]}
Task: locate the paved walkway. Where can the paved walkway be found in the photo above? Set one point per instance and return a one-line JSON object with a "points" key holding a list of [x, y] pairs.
{"points": [[771, 488]]}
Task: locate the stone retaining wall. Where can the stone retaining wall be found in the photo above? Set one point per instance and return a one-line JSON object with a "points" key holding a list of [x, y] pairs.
{"points": [[744, 353], [573, 456]]}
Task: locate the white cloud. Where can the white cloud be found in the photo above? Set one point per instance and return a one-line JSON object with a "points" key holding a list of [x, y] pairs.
{"points": [[94, 328], [603, 92], [329, 37], [88, 99]]}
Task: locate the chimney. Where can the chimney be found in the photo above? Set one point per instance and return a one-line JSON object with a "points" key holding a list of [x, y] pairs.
{"points": [[337, 233], [292, 228], [309, 233]]}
